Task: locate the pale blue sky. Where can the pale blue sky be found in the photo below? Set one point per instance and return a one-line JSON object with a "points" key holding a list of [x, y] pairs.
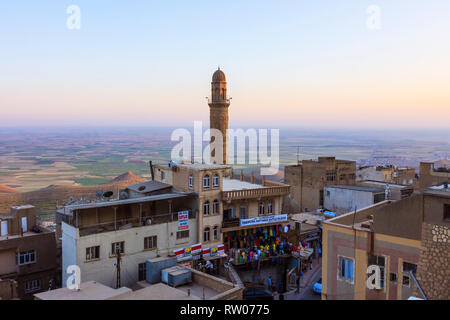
{"points": [[287, 62]]}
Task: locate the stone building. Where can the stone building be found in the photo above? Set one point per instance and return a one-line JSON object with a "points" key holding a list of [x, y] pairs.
{"points": [[433, 271], [431, 176], [139, 227], [27, 252], [389, 174], [223, 202], [308, 179], [406, 239]]}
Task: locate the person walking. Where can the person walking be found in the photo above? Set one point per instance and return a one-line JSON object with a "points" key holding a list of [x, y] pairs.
{"points": [[269, 283]]}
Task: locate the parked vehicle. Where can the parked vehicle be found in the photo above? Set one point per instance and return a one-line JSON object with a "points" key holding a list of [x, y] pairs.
{"points": [[257, 294], [317, 288]]}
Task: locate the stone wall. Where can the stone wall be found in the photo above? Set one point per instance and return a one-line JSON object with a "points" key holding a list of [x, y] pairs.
{"points": [[433, 271]]}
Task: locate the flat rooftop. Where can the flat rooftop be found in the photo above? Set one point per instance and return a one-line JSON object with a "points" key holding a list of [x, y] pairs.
{"points": [[69, 208], [196, 166], [148, 186], [382, 184], [90, 290], [159, 291], [357, 188], [234, 184]]}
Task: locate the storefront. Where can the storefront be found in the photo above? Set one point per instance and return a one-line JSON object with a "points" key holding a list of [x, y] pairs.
{"points": [[257, 240], [208, 259]]}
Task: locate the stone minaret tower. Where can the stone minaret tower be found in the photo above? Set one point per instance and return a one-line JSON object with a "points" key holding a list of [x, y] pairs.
{"points": [[218, 109]]}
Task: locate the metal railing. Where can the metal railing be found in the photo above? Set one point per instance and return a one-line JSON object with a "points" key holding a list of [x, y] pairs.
{"points": [[255, 193], [121, 224]]}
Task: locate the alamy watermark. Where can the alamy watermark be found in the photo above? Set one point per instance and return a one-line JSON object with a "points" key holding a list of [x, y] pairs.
{"points": [[256, 150], [73, 21]]}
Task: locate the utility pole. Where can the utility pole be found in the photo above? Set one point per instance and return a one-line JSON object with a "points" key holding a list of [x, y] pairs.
{"points": [[118, 267]]}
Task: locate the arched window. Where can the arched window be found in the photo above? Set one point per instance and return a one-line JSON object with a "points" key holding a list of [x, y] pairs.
{"points": [[216, 233], [261, 208], [206, 235], [206, 208], [191, 181], [206, 181], [215, 206], [216, 180], [270, 208]]}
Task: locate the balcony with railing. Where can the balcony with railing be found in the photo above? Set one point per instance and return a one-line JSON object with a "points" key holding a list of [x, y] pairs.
{"points": [[122, 224], [269, 191]]}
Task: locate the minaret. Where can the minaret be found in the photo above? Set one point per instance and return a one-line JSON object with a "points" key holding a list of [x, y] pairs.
{"points": [[218, 109]]}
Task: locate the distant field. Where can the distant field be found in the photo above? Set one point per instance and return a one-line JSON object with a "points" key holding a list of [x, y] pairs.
{"points": [[31, 159]]}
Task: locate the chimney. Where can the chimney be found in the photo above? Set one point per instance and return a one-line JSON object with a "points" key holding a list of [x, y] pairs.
{"points": [[252, 178], [263, 181], [232, 173], [242, 175]]}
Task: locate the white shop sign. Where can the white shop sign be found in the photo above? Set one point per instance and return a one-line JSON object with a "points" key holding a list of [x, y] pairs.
{"points": [[263, 220]]}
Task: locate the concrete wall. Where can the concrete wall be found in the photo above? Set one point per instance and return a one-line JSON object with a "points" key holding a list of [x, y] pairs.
{"points": [[103, 270], [355, 244], [345, 200], [227, 290], [428, 177], [308, 179]]}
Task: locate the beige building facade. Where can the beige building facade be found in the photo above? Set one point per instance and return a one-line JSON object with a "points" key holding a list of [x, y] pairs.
{"points": [[308, 179]]}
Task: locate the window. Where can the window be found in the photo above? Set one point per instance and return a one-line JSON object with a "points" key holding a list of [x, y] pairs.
{"points": [[206, 235], [270, 208], [351, 176], [215, 207], [345, 269], [261, 208], [191, 181], [328, 193], [216, 180], [379, 261], [216, 233], [342, 177], [163, 175], [393, 277], [406, 268], [150, 243], [206, 208], [142, 271], [92, 253], [379, 197], [182, 234], [331, 176], [117, 246], [232, 215], [27, 257], [446, 211], [4, 228], [242, 212], [32, 285], [24, 224], [206, 181]]}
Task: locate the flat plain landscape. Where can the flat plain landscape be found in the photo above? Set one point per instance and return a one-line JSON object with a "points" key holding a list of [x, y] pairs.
{"points": [[35, 158]]}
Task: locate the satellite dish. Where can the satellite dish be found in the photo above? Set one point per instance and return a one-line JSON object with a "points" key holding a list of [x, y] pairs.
{"points": [[99, 193], [141, 188], [108, 194]]}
